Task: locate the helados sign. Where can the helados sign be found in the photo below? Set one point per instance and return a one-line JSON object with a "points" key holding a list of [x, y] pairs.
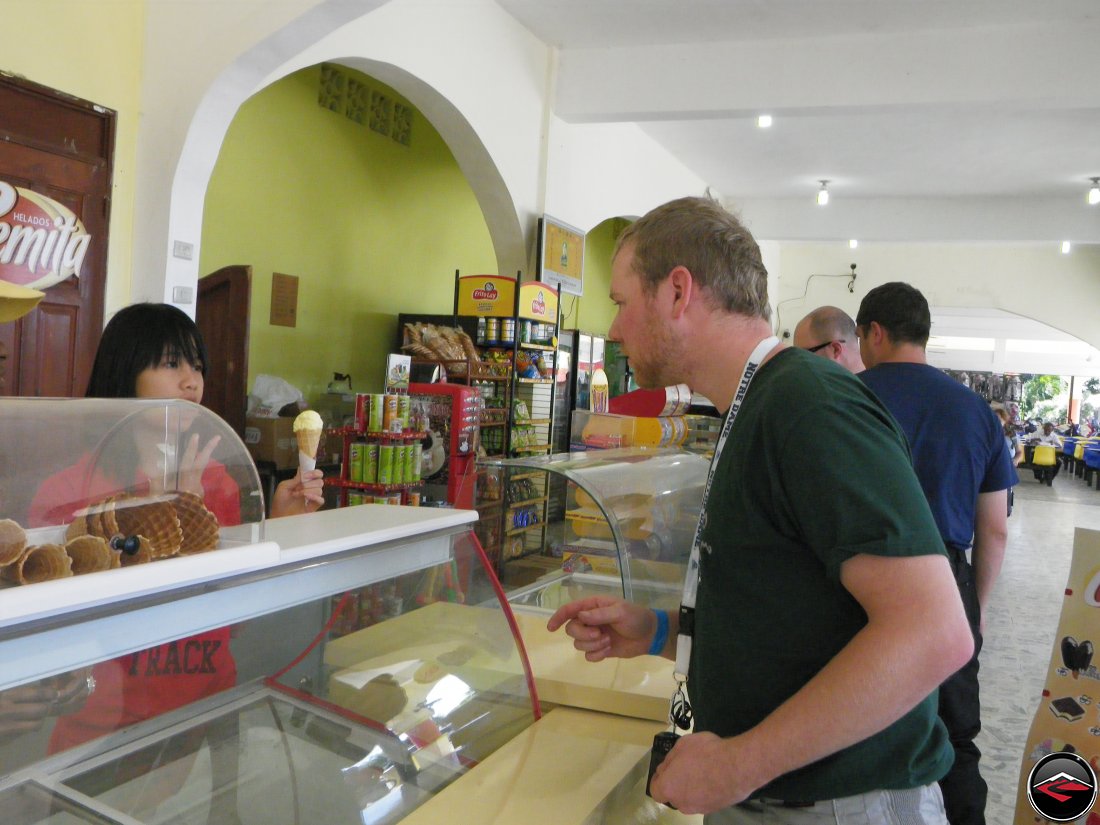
{"points": [[41, 241]]}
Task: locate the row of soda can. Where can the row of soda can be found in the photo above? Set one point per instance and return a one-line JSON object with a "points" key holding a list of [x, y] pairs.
{"points": [[412, 498], [385, 463], [378, 413]]}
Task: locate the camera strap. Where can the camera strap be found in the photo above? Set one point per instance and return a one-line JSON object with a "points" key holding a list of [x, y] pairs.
{"points": [[680, 708]]}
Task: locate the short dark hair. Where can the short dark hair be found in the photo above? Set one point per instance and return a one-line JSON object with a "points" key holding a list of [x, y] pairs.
{"points": [[707, 239], [138, 337], [900, 309]]}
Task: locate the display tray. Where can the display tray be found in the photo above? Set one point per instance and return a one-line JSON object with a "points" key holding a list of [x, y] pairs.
{"points": [[265, 758]]}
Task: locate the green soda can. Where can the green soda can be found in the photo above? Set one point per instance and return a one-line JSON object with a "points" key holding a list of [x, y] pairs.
{"points": [[374, 421], [370, 464], [355, 498], [417, 461], [356, 454], [385, 464]]}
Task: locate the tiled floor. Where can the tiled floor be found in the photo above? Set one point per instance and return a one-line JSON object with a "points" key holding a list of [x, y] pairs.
{"points": [[1022, 621]]}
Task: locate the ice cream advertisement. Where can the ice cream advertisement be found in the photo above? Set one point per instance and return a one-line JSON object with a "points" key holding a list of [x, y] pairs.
{"points": [[1067, 720], [41, 241]]}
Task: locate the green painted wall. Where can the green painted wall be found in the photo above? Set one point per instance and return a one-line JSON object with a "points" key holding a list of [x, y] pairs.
{"points": [[594, 312], [370, 227]]}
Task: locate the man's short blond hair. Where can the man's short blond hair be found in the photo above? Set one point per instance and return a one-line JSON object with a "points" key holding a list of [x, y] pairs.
{"points": [[702, 236]]}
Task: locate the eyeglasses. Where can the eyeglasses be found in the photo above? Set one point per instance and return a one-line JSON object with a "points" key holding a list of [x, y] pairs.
{"points": [[822, 346]]}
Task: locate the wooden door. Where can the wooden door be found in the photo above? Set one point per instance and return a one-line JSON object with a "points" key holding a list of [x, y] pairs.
{"points": [[60, 147], [222, 314]]}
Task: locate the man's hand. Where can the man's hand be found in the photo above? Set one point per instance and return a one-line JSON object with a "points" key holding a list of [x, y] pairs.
{"points": [[604, 626], [703, 774]]}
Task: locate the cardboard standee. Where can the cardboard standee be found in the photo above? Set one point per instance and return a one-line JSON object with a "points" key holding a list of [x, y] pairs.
{"points": [[1068, 716]]}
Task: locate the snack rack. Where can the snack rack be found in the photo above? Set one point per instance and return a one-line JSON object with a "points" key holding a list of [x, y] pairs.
{"points": [[380, 455]]}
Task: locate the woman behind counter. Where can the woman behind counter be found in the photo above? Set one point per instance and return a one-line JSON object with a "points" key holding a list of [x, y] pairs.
{"points": [[156, 351]]}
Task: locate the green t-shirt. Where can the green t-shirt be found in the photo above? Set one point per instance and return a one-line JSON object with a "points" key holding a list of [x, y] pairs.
{"points": [[815, 471]]}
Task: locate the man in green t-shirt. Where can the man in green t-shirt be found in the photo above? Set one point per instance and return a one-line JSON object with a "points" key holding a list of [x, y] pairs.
{"points": [[826, 613]]}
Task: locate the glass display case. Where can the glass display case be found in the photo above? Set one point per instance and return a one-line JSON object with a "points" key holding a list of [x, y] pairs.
{"points": [[625, 527], [346, 667]]}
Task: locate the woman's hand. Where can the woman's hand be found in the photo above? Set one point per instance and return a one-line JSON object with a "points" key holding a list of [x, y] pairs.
{"points": [[193, 463], [302, 494]]}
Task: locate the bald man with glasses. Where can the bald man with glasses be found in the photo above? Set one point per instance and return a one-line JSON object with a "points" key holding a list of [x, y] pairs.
{"points": [[831, 333]]}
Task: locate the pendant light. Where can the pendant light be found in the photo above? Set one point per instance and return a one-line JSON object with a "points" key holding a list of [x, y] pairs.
{"points": [[823, 194], [1094, 193]]}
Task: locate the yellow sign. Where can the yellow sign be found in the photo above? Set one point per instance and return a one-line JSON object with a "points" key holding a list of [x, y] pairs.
{"points": [[539, 302], [488, 295]]}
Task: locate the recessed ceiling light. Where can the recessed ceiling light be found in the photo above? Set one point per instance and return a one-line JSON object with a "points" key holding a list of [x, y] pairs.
{"points": [[1094, 193], [853, 244], [823, 194], [1066, 247], [764, 121]]}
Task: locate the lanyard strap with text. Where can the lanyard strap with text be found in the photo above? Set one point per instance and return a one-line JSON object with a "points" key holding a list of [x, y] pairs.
{"points": [[691, 579]]}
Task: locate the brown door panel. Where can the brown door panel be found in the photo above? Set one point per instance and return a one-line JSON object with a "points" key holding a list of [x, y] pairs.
{"points": [[221, 314], [61, 147]]}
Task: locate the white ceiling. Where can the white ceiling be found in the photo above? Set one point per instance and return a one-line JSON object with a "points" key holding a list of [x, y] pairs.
{"points": [[962, 108], [967, 120]]}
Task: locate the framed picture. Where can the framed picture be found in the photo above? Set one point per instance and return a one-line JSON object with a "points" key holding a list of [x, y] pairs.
{"points": [[561, 255]]}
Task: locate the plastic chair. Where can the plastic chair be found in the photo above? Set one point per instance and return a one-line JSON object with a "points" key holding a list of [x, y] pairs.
{"points": [[1092, 464], [1045, 463], [1079, 459], [1068, 446]]}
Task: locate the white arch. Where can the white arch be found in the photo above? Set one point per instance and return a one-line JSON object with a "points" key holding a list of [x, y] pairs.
{"points": [[255, 68]]}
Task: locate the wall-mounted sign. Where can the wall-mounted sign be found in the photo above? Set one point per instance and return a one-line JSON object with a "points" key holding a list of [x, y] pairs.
{"points": [[41, 241], [561, 255], [539, 302], [487, 295], [284, 300]]}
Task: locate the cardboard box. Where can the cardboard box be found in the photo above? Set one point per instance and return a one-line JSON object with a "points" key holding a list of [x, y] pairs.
{"points": [[272, 439]]}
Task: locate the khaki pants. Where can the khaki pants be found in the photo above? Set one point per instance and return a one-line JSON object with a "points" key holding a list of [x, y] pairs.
{"points": [[915, 806]]}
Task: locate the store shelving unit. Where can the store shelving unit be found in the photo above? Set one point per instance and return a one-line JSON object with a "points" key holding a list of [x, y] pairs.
{"points": [[398, 491]]}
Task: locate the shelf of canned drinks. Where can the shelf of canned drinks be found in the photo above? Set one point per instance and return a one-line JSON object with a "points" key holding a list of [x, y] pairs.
{"points": [[404, 435], [372, 487]]}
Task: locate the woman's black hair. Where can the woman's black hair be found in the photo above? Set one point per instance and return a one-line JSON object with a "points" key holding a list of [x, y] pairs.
{"points": [[137, 338]]}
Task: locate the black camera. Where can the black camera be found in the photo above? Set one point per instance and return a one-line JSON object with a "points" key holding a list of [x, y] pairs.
{"points": [[663, 742]]}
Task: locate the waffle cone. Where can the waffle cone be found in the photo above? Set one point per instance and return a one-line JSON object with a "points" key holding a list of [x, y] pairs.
{"points": [[155, 519], [308, 442], [197, 524], [90, 554], [144, 555], [77, 527], [40, 563], [13, 541]]}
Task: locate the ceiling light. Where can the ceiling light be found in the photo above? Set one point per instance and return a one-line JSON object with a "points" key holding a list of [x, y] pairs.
{"points": [[764, 121], [853, 244], [1066, 247], [823, 194], [1094, 193]]}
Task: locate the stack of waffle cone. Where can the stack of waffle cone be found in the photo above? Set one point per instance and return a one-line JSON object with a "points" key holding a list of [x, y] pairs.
{"points": [[198, 525], [13, 541], [38, 564], [90, 554]]}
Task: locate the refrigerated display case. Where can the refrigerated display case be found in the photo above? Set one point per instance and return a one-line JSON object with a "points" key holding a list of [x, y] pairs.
{"points": [[453, 419], [626, 528], [292, 671]]}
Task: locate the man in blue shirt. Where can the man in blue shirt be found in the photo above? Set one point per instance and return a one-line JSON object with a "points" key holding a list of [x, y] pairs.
{"points": [[959, 456]]}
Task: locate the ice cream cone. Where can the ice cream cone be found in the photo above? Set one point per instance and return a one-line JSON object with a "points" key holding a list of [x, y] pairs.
{"points": [[307, 429]]}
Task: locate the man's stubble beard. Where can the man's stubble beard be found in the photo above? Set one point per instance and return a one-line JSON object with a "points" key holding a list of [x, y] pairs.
{"points": [[664, 363]]}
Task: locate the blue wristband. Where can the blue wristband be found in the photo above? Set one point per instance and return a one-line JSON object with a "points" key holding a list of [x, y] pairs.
{"points": [[660, 638]]}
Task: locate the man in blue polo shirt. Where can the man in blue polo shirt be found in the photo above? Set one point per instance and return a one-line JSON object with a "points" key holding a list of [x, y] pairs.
{"points": [[960, 459]]}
